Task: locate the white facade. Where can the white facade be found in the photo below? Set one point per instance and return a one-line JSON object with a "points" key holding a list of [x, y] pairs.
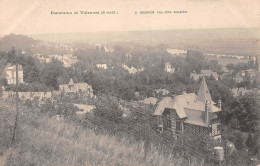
{"points": [[102, 66], [132, 70], [108, 49], [10, 71], [168, 68], [76, 87], [176, 51]]}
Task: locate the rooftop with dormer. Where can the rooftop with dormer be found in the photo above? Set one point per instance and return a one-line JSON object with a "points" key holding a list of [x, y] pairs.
{"points": [[191, 107]]}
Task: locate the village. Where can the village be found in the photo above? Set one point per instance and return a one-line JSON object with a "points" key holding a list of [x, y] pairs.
{"points": [[167, 97], [129, 83]]}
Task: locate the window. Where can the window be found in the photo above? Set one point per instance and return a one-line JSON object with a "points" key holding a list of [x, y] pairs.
{"points": [[167, 123], [218, 129], [179, 126], [167, 120], [210, 131], [214, 129]]}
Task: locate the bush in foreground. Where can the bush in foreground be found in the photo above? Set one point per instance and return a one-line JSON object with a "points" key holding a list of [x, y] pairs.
{"points": [[47, 141]]}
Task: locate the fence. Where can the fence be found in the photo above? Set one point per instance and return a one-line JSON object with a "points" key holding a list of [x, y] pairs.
{"points": [[141, 125], [189, 145]]}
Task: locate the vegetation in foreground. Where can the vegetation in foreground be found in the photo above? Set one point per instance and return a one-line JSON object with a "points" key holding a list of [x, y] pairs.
{"points": [[48, 141]]}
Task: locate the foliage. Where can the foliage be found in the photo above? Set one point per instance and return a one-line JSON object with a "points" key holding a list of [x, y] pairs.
{"points": [[63, 107], [47, 141], [245, 110], [107, 107]]}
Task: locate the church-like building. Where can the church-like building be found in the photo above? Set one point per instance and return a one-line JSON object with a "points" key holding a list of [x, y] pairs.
{"points": [[72, 87], [193, 113]]}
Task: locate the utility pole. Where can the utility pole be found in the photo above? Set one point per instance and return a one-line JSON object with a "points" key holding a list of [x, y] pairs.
{"points": [[147, 142], [16, 115]]}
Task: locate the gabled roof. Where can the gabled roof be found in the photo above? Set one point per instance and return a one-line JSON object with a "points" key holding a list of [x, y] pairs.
{"points": [[206, 72], [190, 106], [203, 93], [177, 103]]}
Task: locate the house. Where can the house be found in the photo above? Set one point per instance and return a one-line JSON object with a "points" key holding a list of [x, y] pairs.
{"points": [[224, 69], [177, 52], [168, 68], [162, 92], [125, 109], [239, 79], [108, 49], [150, 101], [10, 73], [131, 70], [189, 113], [72, 87], [209, 73], [102, 66], [128, 55], [195, 76], [241, 91], [241, 73], [84, 108], [250, 73]]}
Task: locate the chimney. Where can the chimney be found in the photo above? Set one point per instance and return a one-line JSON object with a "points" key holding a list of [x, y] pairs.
{"points": [[219, 104], [207, 112]]}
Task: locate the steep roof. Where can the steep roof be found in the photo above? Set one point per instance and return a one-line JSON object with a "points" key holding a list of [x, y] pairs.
{"points": [[177, 103], [9, 66], [203, 93], [190, 106], [187, 107], [198, 117], [71, 82]]}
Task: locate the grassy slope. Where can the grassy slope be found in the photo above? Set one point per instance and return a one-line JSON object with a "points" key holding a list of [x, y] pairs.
{"points": [[46, 141]]}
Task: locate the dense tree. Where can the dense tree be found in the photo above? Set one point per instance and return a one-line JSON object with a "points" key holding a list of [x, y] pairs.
{"points": [[31, 71], [230, 66], [241, 66], [257, 64], [107, 107], [242, 112]]}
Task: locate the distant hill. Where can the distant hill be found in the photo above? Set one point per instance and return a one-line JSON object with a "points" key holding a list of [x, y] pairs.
{"points": [[21, 42], [241, 41], [230, 41], [153, 35], [31, 46]]}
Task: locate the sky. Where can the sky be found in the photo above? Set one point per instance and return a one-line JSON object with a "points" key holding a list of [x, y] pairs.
{"points": [[34, 16]]}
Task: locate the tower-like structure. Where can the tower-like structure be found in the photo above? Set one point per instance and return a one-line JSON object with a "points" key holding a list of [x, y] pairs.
{"points": [[71, 85], [190, 113], [168, 68], [205, 97]]}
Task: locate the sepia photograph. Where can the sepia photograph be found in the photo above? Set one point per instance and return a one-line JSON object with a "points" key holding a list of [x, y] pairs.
{"points": [[129, 83]]}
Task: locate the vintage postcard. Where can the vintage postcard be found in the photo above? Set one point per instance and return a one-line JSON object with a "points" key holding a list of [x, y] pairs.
{"points": [[127, 82]]}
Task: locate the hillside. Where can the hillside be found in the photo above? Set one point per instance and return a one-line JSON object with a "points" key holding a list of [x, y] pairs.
{"points": [[230, 41], [18, 41], [31, 46], [47, 141], [154, 35]]}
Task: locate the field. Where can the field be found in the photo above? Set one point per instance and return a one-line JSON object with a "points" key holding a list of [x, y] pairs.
{"points": [[47, 141]]}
